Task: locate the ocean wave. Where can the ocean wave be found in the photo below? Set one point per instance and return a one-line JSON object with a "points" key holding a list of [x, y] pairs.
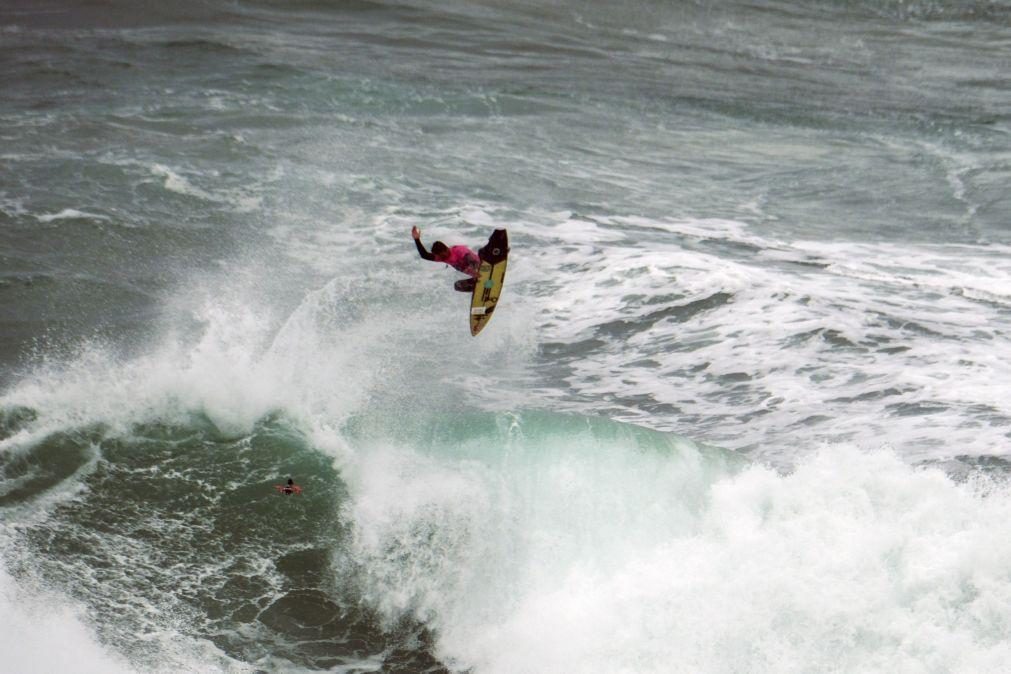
{"points": [[573, 550]]}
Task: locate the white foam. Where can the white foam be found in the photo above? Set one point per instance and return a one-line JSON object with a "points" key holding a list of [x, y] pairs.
{"points": [[230, 374], [891, 343], [12, 206], [180, 180], [569, 557], [69, 214], [39, 633], [177, 183]]}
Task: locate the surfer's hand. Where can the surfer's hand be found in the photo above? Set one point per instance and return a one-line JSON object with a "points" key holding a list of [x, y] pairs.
{"points": [[416, 233]]}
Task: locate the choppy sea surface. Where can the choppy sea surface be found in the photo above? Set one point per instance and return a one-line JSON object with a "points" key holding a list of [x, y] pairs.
{"points": [[743, 407]]}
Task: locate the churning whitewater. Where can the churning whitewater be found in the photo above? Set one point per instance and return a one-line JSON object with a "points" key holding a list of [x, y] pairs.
{"points": [[742, 407]]}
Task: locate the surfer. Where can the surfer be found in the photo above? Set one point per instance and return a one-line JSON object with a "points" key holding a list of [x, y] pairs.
{"points": [[460, 258], [288, 489]]}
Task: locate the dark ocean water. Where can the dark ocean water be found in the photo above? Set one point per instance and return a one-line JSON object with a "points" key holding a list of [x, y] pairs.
{"points": [[743, 406]]}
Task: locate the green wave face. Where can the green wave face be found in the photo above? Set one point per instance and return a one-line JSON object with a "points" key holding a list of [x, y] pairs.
{"points": [[179, 526]]}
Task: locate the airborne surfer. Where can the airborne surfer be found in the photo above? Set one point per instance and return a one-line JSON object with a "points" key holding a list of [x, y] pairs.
{"points": [[460, 258]]}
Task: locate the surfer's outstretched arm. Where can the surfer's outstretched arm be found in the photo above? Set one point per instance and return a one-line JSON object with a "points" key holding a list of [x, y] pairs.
{"points": [[425, 255]]}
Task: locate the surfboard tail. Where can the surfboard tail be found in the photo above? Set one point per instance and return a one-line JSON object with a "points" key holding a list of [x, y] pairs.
{"points": [[497, 248]]}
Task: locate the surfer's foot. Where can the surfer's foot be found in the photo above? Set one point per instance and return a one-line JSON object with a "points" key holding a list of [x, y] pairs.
{"points": [[465, 285]]}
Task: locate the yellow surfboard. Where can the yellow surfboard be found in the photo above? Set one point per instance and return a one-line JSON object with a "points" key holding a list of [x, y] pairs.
{"points": [[490, 278]]}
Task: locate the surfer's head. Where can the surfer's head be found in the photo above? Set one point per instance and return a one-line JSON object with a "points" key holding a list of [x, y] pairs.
{"points": [[290, 482], [440, 251]]}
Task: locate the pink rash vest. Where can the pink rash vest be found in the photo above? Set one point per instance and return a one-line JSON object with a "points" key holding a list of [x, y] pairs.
{"points": [[461, 258], [464, 260]]}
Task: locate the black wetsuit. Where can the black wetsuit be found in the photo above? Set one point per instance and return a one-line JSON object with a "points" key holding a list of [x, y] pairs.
{"points": [[425, 255]]}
